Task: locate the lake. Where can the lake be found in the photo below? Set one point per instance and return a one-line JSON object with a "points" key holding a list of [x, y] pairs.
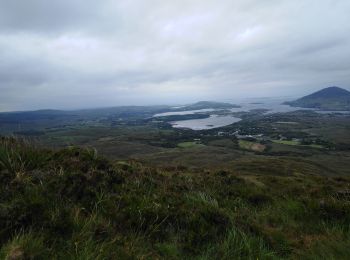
{"points": [[214, 121], [272, 105], [187, 112], [211, 122]]}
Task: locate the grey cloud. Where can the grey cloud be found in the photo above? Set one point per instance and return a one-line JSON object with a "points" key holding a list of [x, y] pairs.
{"points": [[85, 53], [48, 16], [319, 46]]}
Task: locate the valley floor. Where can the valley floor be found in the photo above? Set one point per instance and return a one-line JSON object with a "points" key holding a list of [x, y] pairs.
{"points": [[128, 186]]}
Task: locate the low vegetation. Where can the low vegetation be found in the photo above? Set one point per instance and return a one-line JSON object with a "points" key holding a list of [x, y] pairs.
{"points": [[253, 146], [298, 143], [189, 144], [73, 204]]}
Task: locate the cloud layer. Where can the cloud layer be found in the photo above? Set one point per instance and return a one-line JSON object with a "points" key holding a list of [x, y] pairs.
{"points": [[84, 53]]}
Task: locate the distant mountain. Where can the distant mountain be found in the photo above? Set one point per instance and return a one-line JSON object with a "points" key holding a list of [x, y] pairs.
{"points": [[208, 104], [332, 98]]}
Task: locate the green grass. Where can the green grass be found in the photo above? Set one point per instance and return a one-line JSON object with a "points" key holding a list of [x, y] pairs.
{"points": [[189, 144], [17, 156], [25, 245], [74, 204], [239, 245], [318, 146], [286, 142], [247, 145], [297, 143]]}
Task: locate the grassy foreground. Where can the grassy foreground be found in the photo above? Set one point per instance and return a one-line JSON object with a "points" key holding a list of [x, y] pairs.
{"points": [[73, 204]]}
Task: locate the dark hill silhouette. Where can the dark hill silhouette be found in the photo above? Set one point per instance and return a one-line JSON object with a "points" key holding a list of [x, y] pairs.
{"points": [[331, 98], [208, 104]]}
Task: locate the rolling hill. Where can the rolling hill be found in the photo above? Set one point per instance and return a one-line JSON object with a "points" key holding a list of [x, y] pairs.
{"points": [[208, 105], [331, 98]]}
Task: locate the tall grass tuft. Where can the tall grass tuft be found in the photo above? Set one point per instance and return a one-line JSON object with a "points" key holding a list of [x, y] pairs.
{"points": [[239, 245], [25, 245], [18, 155], [203, 198]]}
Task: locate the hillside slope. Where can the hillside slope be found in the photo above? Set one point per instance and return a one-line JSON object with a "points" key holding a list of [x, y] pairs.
{"points": [[208, 105], [73, 204], [332, 98]]}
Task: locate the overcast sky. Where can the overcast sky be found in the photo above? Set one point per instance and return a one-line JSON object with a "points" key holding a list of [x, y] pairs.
{"points": [[90, 53]]}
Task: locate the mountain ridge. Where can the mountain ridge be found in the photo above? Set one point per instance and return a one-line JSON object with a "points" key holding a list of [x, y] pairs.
{"points": [[208, 105], [330, 98]]}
